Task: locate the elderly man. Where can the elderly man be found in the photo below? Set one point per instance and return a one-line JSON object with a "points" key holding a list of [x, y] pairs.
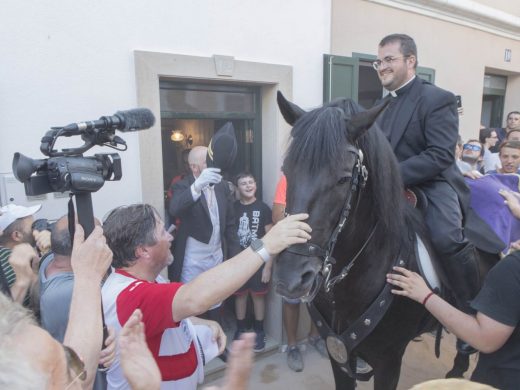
{"points": [[421, 123], [141, 249], [18, 258], [205, 206]]}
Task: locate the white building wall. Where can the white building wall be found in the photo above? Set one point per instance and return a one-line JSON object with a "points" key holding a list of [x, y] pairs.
{"points": [[67, 61]]}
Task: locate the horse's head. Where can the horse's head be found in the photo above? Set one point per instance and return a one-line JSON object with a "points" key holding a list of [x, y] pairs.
{"points": [[322, 165]]}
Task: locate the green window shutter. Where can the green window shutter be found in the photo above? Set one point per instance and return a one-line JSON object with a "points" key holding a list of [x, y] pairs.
{"points": [[427, 74], [340, 77]]}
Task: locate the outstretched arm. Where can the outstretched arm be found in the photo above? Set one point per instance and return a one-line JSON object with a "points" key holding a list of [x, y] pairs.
{"points": [[482, 332], [220, 282]]}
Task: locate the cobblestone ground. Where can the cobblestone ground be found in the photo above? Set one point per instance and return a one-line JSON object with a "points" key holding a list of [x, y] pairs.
{"points": [[419, 365]]}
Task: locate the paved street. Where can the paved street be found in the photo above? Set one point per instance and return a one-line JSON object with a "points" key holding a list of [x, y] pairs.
{"points": [[419, 365]]}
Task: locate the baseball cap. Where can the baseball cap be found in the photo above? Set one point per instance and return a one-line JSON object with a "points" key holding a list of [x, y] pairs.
{"points": [[12, 212], [222, 148]]}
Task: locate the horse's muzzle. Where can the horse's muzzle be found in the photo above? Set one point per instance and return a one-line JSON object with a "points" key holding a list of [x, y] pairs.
{"points": [[295, 275]]}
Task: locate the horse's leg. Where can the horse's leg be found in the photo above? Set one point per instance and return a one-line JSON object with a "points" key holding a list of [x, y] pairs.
{"points": [[387, 371], [341, 378], [460, 366]]}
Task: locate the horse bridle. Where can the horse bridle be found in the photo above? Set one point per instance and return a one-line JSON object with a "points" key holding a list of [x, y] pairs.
{"points": [[358, 182]]}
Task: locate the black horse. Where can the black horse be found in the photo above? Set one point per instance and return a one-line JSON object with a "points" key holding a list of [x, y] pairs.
{"points": [[341, 170]]}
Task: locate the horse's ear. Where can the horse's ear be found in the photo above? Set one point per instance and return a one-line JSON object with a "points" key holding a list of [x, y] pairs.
{"points": [[362, 121], [290, 111]]}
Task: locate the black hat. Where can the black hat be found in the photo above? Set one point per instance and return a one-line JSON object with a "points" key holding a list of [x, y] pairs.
{"points": [[222, 148]]}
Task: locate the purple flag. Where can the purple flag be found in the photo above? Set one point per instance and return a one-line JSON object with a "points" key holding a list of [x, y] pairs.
{"points": [[489, 204]]}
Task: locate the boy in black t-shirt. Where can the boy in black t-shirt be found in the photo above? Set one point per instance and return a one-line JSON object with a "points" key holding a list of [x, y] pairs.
{"points": [[253, 219]]}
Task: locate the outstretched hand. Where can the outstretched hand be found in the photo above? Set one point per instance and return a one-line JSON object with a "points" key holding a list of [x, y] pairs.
{"points": [[411, 284], [289, 231], [512, 200]]}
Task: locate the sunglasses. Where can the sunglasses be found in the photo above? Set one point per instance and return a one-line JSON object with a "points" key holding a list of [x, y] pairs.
{"points": [[475, 148], [76, 365]]}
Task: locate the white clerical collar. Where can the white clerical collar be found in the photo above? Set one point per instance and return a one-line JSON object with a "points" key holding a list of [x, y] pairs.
{"points": [[394, 94]]}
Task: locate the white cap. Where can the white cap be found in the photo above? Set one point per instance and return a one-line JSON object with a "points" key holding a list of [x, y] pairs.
{"points": [[12, 212]]}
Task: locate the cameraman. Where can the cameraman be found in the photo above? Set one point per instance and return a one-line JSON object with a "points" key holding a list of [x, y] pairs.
{"points": [[18, 258]]}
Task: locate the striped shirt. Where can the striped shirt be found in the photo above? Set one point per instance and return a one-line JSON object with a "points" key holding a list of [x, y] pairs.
{"points": [[9, 273]]}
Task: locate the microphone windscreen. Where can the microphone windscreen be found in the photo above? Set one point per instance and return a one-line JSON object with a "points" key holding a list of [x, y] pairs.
{"points": [[136, 119]]}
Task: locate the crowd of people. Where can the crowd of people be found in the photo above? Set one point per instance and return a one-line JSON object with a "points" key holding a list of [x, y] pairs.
{"points": [[96, 312]]}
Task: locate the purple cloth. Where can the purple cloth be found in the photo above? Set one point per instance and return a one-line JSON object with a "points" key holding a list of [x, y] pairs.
{"points": [[489, 204]]}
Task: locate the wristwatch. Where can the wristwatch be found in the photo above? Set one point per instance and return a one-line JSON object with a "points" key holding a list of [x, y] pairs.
{"points": [[258, 246]]}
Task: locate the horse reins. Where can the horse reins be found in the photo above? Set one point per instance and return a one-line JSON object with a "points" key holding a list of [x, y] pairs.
{"points": [[358, 182]]}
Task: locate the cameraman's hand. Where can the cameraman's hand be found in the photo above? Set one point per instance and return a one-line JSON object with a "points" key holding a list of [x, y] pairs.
{"points": [[207, 176], [290, 230], [91, 257], [24, 260]]}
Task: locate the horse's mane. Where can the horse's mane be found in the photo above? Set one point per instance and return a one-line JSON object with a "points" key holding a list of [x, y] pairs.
{"points": [[318, 141]]}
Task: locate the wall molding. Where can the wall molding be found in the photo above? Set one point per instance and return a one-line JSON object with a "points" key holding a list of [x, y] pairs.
{"points": [[468, 13]]}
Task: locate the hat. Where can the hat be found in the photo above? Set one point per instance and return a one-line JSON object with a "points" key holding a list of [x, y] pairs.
{"points": [[12, 212], [222, 148]]}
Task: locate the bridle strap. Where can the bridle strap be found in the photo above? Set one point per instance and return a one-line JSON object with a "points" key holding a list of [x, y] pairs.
{"points": [[358, 181]]}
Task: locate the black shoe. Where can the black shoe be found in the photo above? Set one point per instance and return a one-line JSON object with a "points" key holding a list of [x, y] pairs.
{"points": [[223, 356], [464, 348]]}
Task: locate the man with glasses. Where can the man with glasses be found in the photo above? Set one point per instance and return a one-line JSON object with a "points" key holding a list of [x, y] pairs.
{"points": [[473, 154], [421, 124]]}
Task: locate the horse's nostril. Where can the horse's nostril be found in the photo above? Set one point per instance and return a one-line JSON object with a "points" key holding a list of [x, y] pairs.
{"points": [[307, 277]]}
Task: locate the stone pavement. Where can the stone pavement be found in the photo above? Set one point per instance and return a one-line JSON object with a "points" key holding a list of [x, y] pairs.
{"points": [[419, 364]]}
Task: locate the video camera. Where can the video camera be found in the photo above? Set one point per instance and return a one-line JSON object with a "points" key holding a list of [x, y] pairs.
{"points": [[68, 170]]}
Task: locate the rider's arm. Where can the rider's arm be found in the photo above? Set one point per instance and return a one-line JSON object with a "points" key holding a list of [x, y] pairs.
{"points": [[220, 282]]}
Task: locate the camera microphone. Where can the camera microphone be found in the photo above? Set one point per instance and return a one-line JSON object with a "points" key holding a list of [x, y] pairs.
{"points": [[129, 120]]}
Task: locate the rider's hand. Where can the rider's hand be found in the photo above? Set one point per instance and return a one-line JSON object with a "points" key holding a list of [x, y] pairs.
{"points": [[207, 176], [289, 231], [411, 284]]}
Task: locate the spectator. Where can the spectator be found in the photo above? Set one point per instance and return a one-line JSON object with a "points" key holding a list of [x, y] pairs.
{"points": [[462, 165], [509, 154], [488, 138], [32, 355], [473, 154], [513, 135], [253, 219], [140, 244], [512, 123], [205, 206], [56, 286], [18, 258], [493, 330], [291, 307]]}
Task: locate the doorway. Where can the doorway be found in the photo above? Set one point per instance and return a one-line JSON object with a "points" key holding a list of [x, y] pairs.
{"points": [[493, 100], [191, 113]]}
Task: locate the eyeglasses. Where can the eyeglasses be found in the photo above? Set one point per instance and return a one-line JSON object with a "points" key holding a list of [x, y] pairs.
{"points": [[386, 61], [475, 148], [75, 364]]}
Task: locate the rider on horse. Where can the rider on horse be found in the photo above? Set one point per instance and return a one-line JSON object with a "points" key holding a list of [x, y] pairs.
{"points": [[421, 123]]}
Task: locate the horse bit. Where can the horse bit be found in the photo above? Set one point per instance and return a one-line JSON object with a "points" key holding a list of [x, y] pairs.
{"points": [[358, 181]]}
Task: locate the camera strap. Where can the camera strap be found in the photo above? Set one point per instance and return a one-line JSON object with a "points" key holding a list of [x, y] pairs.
{"points": [[72, 220]]}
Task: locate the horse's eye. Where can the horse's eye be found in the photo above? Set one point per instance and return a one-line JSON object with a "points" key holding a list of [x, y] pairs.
{"points": [[343, 180]]}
